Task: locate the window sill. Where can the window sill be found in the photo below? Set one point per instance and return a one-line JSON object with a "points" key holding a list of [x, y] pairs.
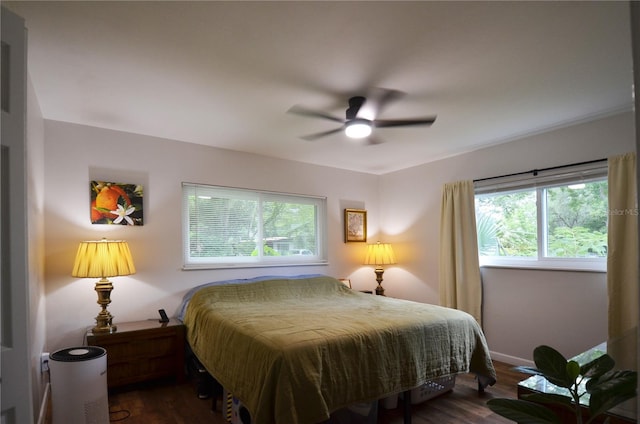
{"points": [[549, 265], [195, 267]]}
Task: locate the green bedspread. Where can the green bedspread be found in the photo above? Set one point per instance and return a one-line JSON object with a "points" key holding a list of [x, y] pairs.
{"points": [[294, 350]]}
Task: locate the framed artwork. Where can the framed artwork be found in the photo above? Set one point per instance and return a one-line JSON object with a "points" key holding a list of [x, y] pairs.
{"points": [[355, 225], [345, 281], [116, 203]]}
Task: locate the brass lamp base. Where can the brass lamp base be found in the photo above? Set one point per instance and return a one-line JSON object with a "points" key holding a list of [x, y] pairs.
{"points": [[379, 289], [104, 318], [103, 324]]}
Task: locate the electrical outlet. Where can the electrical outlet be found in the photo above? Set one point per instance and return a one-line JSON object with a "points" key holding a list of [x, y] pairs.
{"points": [[44, 362]]}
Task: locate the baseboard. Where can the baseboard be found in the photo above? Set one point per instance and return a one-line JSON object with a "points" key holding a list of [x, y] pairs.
{"points": [[44, 404], [511, 360]]}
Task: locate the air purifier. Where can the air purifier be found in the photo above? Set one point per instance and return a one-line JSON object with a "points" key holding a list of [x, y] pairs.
{"points": [[79, 385]]}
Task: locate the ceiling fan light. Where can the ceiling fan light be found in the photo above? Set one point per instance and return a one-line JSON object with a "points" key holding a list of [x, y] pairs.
{"points": [[358, 128]]}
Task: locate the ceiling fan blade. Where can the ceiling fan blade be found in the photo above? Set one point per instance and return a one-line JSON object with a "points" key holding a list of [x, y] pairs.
{"points": [[313, 137], [372, 141], [377, 100], [299, 110], [386, 96], [386, 123]]}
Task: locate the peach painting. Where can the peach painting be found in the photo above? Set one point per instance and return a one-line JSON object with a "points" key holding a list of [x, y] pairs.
{"points": [[116, 203]]}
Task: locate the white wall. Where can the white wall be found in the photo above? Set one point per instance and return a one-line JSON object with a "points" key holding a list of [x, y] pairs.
{"points": [[35, 219], [527, 308], [403, 207], [77, 154], [522, 309]]}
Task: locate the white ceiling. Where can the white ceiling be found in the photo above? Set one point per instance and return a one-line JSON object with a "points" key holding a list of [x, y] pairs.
{"points": [[225, 73]]}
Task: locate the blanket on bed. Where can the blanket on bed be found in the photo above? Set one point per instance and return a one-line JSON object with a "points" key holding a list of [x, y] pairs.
{"points": [[294, 350]]}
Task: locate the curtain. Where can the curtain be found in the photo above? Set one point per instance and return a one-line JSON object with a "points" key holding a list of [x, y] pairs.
{"points": [[459, 277], [622, 261]]}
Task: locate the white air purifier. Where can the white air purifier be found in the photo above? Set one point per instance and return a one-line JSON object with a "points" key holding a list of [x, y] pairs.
{"points": [[79, 385]]}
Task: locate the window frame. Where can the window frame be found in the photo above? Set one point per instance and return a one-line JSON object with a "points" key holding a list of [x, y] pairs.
{"points": [[537, 183], [260, 260]]}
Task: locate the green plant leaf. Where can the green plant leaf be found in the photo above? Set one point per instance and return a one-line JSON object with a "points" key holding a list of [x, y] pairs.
{"points": [[607, 388], [602, 402], [553, 366], [598, 366], [611, 389], [522, 412], [613, 381], [573, 370]]}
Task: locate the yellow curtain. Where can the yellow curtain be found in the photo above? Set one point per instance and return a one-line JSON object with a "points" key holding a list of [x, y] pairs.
{"points": [[460, 285], [622, 261]]}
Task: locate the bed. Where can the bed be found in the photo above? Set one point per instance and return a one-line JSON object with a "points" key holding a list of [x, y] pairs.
{"points": [[295, 349]]}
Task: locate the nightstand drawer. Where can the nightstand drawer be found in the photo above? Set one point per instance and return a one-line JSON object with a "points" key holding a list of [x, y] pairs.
{"points": [[142, 350], [126, 372]]}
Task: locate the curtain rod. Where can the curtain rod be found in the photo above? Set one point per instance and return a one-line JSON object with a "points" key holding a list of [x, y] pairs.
{"points": [[534, 172]]}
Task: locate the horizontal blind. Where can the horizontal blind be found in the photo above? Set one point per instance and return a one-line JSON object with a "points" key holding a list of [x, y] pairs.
{"points": [[225, 225], [219, 219]]}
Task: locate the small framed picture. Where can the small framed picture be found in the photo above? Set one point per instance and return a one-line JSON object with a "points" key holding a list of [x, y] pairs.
{"points": [[345, 281], [355, 225]]}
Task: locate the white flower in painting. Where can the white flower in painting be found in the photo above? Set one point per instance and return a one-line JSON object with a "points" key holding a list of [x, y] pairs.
{"points": [[123, 214]]}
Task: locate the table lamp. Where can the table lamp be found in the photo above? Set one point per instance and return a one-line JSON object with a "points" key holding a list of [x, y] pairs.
{"points": [[103, 258], [379, 254]]}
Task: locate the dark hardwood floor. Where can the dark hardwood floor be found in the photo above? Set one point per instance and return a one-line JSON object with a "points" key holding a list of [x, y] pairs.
{"points": [[168, 403]]}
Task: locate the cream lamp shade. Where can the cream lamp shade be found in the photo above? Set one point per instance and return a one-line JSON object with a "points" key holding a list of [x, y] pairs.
{"points": [[102, 259], [379, 254]]}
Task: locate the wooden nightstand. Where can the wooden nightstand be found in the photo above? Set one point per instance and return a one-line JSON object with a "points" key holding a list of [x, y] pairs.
{"points": [[142, 350]]}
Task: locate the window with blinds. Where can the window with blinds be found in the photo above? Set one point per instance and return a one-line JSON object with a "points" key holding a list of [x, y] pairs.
{"points": [[232, 227]]}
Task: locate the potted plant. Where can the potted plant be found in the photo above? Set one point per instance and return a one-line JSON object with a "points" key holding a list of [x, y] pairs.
{"points": [[604, 386]]}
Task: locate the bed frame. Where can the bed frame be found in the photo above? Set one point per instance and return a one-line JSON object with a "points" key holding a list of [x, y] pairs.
{"points": [[208, 385]]}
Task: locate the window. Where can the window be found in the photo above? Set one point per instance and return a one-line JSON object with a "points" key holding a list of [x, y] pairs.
{"points": [[551, 222], [230, 227]]}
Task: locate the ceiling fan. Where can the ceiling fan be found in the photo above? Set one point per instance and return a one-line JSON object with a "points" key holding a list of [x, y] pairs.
{"points": [[360, 118]]}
